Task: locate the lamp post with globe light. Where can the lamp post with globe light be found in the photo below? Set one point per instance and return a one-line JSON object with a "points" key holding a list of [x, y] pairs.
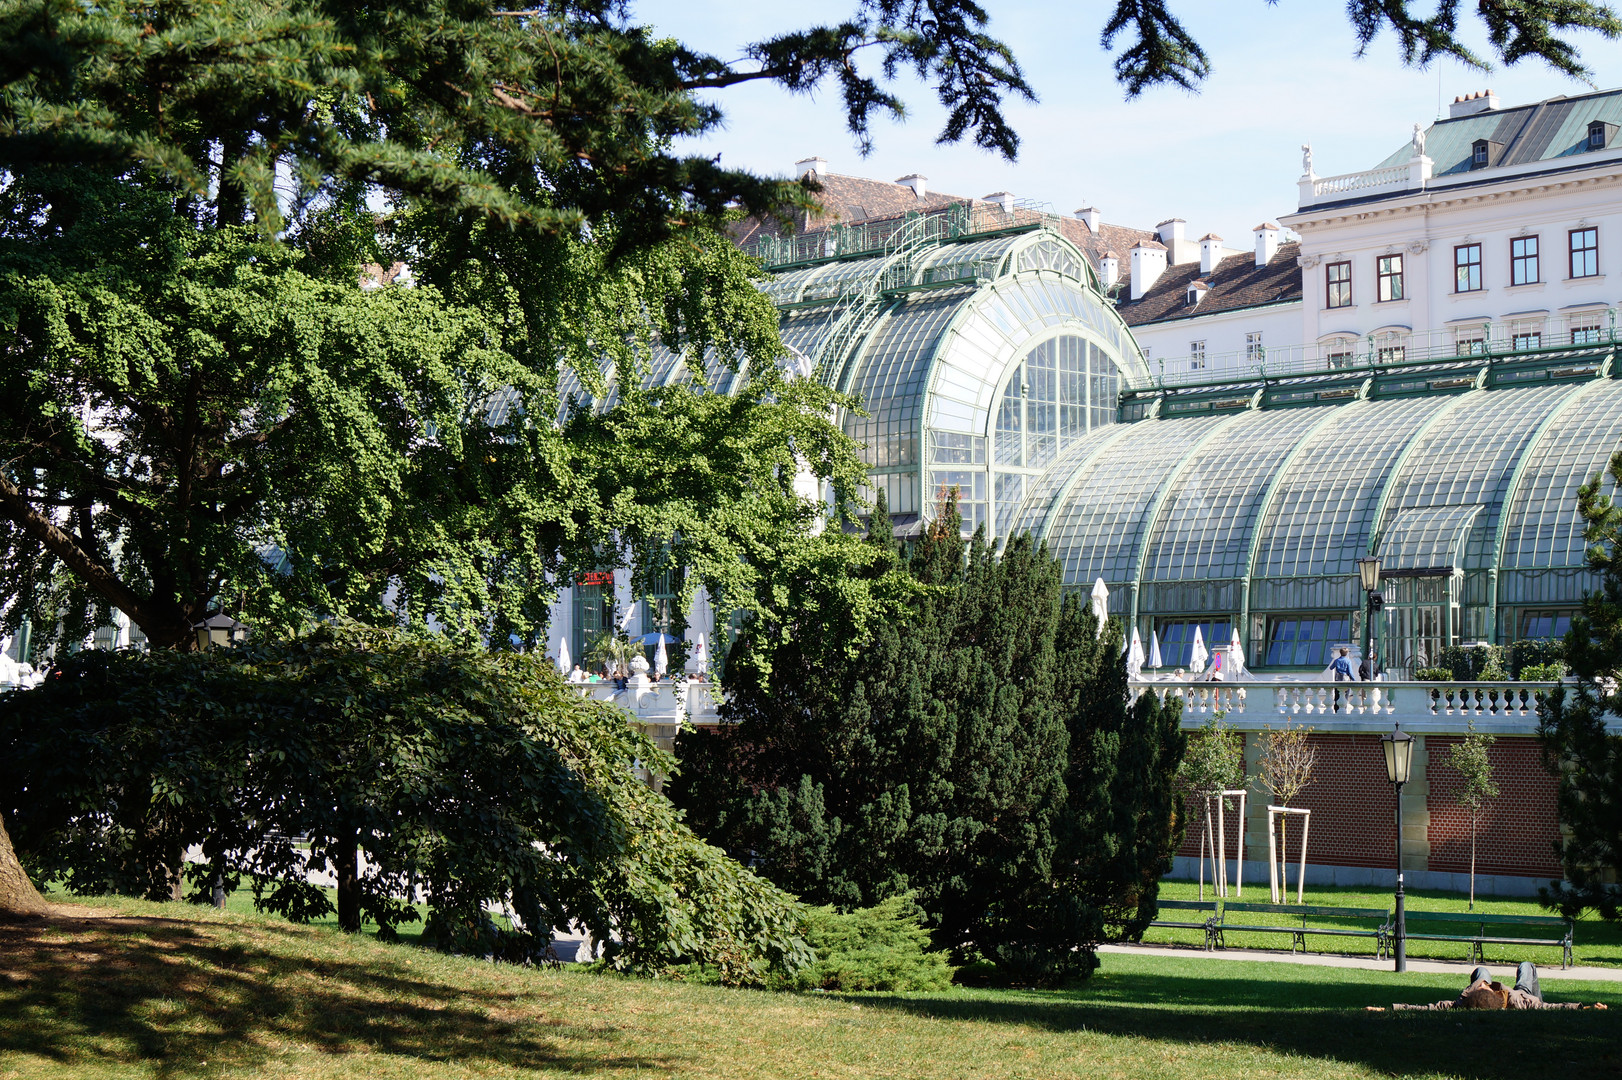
{"points": [[1399, 756]]}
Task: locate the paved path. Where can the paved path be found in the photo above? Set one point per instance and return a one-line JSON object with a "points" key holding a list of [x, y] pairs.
{"points": [[1444, 967]]}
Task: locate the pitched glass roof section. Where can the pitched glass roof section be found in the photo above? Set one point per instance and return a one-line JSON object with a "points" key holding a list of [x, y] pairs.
{"points": [[1543, 528], [1096, 530], [1427, 537], [1468, 458], [1206, 522], [1320, 518], [891, 382]]}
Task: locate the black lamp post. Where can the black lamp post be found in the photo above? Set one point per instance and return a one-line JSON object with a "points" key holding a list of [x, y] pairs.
{"points": [[220, 630], [1368, 573], [1399, 755]]}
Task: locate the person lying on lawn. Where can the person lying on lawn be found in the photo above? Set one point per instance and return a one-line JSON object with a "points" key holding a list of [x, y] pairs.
{"points": [[1484, 993]]}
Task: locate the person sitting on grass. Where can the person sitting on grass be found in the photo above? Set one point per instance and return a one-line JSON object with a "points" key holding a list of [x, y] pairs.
{"points": [[1484, 993]]}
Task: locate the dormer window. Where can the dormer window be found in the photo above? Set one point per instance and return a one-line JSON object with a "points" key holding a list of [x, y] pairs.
{"points": [[1600, 134], [1478, 153]]}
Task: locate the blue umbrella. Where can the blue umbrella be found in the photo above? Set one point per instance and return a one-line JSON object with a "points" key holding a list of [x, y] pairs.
{"points": [[655, 638]]}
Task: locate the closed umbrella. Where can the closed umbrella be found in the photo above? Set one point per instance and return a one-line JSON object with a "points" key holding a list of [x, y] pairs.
{"points": [[1197, 656], [661, 660], [563, 657], [1134, 656], [1235, 666], [1100, 604], [1154, 651]]}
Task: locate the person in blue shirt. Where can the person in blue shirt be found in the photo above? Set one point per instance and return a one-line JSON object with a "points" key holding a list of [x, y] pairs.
{"points": [[1342, 668]]}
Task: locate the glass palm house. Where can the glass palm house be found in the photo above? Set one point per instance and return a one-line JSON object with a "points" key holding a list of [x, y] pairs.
{"points": [[988, 359]]}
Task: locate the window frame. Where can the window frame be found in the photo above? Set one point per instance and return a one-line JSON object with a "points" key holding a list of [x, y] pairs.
{"points": [[1331, 283], [1518, 263], [1461, 266], [1196, 355], [1385, 278], [1590, 251], [1596, 127], [1255, 349], [1272, 642]]}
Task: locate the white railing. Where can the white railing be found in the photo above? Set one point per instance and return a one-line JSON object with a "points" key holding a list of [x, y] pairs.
{"points": [[1394, 701], [1391, 351], [674, 702], [1391, 176]]}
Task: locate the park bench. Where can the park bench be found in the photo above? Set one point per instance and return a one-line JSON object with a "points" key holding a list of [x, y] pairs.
{"points": [[1208, 924], [1478, 928], [1296, 920]]}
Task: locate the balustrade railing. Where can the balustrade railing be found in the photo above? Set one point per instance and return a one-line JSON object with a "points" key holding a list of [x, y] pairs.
{"points": [[1391, 175], [1394, 700], [676, 701]]}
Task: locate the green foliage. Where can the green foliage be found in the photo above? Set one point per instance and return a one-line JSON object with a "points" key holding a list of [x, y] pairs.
{"points": [[1215, 758], [474, 777], [1471, 759], [1434, 674], [884, 947], [1533, 653], [1493, 672], [1552, 672], [980, 751], [1471, 664], [1572, 721]]}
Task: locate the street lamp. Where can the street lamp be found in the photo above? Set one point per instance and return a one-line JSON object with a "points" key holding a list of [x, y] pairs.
{"points": [[1399, 755], [1368, 573], [220, 630]]}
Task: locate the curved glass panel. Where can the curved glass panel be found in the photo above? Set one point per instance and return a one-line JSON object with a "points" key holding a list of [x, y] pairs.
{"points": [[1318, 524], [1205, 527], [784, 288], [890, 375], [1057, 392], [1426, 538], [1095, 532], [1048, 255], [1543, 528], [1467, 457], [982, 258], [1040, 491]]}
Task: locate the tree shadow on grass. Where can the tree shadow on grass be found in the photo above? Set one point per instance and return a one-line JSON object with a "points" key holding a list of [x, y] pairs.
{"points": [[1315, 1020], [180, 1002]]}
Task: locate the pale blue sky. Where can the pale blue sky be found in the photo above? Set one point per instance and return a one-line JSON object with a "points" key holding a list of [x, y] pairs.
{"points": [[1224, 160]]}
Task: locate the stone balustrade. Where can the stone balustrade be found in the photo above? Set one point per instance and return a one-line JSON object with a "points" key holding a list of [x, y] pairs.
{"points": [[1508, 708]]}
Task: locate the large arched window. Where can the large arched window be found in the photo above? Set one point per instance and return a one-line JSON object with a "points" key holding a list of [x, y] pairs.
{"points": [[1062, 389]]}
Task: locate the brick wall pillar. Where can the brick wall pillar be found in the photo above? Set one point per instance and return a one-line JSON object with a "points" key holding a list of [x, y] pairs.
{"points": [[1415, 811]]}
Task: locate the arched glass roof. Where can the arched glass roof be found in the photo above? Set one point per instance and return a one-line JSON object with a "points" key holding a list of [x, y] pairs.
{"points": [[1576, 446]]}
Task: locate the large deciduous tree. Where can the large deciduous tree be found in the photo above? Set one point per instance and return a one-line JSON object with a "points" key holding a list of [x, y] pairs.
{"points": [[468, 776], [980, 751], [1576, 722]]}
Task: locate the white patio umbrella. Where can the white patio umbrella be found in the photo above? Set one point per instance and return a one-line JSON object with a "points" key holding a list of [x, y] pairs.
{"points": [[1197, 656], [564, 665], [698, 658], [1100, 604], [661, 659], [1234, 667], [1134, 656], [1154, 651]]}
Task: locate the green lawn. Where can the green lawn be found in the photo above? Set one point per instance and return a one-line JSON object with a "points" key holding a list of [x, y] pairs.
{"points": [[168, 991], [1596, 942]]}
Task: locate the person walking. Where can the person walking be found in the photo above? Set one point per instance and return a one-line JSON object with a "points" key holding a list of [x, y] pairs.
{"points": [[1342, 667]]}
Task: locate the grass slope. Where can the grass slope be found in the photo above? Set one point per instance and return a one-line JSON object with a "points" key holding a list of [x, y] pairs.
{"points": [[166, 991]]}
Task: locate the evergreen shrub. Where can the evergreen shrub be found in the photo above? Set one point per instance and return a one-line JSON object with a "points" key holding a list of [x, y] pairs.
{"points": [[1433, 674], [1552, 672], [883, 947]]}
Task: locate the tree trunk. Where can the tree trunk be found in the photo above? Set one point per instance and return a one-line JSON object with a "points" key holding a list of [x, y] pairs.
{"points": [[1472, 860], [346, 854], [17, 894]]}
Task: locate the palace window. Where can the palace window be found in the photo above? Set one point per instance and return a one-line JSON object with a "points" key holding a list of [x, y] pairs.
{"points": [[1177, 638], [1304, 640], [1253, 348], [1388, 272], [1196, 356], [1523, 260], [1545, 625], [1338, 285], [1586, 329], [1584, 253], [1596, 135], [1467, 268]]}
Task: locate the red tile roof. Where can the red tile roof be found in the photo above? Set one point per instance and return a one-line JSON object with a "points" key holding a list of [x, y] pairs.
{"points": [[1235, 282]]}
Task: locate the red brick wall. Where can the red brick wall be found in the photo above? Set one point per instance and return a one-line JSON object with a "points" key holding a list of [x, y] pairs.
{"points": [[1354, 808], [1516, 831]]}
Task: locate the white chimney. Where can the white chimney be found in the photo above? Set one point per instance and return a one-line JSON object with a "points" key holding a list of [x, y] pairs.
{"points": [[1266, 242], [919, 184], [1089, 214], [1109, 268], [1171, 231], [1148, 263], [811, 165], [1479, 102], [1210, 253], [1002, 199]]}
